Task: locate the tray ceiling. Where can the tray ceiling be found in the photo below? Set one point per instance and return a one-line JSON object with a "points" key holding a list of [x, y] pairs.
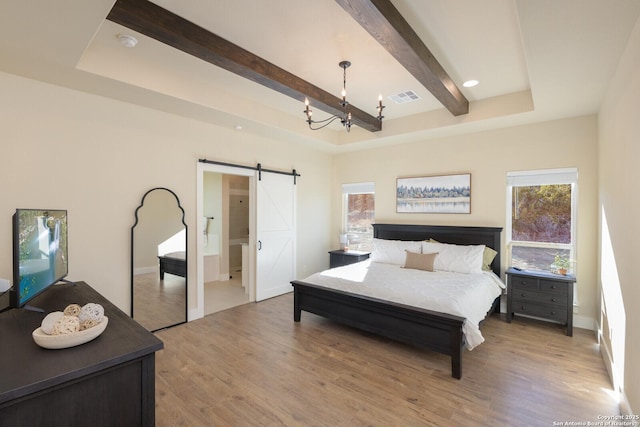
{"points": [[534, 60]]}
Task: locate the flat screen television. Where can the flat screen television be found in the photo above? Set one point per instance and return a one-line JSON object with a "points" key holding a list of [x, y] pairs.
{"points": [[39, 252]]}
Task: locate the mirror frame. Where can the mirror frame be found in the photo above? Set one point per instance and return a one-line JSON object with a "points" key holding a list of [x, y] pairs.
{"points": [[186, 254]]}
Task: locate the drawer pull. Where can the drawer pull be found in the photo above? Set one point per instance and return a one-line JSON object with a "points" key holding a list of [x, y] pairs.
{"points": [[524, 295], [553, 300], [553, 286], [522, 282], [553, 313]]}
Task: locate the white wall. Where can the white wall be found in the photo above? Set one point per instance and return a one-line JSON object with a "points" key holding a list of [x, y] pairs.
{"points": [[488, 156], [96, 157], [619, 151]]}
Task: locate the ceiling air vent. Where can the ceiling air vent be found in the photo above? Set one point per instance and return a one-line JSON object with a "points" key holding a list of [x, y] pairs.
{"points": [[404, 97]]}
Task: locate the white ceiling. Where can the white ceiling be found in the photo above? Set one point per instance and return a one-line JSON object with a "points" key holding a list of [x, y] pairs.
{"points": [[535, 59]]}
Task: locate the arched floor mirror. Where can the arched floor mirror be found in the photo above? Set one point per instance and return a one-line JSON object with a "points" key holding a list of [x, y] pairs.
{"points": [[159, 261]]}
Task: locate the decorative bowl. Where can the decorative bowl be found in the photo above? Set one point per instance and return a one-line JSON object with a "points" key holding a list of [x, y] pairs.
{"points": [[69, 340]]}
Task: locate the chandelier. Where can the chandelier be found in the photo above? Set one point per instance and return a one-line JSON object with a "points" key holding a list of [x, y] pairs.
{"points": [[345, 117]]}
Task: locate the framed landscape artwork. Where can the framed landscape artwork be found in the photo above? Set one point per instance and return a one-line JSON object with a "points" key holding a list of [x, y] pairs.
{"points": [[434, 194]]}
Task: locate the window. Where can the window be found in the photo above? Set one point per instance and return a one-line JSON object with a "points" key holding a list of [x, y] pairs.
{"points": [[358, 202], [542, 218]]}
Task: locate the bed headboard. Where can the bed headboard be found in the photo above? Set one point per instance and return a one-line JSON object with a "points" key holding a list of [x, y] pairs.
{"points": [[458, 235]]}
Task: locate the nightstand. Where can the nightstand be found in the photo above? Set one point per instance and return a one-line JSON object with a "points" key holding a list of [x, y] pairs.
{"points": [[540, 294], [340, 258]]}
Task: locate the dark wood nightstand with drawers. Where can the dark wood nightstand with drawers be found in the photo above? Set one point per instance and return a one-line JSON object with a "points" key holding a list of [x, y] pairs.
{"points": [[540, 294], [340, 258]]}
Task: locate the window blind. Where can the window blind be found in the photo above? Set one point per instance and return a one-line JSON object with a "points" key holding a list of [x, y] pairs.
{"points": [[359, 188], [542, 177]]}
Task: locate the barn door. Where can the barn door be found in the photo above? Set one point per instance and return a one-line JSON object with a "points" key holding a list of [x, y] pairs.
{"points": [[276, 235]]}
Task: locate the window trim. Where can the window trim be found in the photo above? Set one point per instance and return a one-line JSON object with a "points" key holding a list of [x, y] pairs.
{"points": [[353, 188], [543, 177]]}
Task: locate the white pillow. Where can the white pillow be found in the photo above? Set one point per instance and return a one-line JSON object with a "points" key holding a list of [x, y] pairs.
{"points": [[392, 251], [456, 258]]}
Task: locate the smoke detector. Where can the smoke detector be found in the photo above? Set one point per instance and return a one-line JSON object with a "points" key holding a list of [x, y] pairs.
{"points": [[127, 40]]}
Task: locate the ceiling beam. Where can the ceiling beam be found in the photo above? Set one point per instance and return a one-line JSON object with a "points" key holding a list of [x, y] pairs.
{"points": [[160, 24], [383, 21]]}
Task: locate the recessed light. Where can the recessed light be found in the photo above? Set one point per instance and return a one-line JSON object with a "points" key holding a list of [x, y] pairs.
{"points": [[127, 40], [238, 127], [470, 83]]}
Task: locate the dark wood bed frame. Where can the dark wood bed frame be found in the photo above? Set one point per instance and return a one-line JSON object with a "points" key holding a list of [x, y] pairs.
{"points": [[171, 265], [437, 331]]}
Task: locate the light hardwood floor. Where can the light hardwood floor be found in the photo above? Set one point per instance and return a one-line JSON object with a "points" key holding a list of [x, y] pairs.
{"points": [[159, 303], [252, 365], [219, 296]]}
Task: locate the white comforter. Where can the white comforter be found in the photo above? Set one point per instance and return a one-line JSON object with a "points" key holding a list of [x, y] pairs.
{"points": [[466, 295]]}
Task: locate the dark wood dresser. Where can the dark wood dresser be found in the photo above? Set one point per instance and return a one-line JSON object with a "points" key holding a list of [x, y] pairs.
{"points": [[106, 382], [542, 295], [340, 257]]}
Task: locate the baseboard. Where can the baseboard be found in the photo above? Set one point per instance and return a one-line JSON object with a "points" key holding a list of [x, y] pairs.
{"points": [[605, 352], [144, 270], [195, 313], [584, 322], [625, 406]]}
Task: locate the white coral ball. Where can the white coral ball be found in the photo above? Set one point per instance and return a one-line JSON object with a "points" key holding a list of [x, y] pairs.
{"points": [[91, 311], [66, 325], [49, 321]]}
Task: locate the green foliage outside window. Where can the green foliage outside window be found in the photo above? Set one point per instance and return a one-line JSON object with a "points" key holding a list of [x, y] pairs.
{"points": [[542, 213], [541, 220], [360, 217]]}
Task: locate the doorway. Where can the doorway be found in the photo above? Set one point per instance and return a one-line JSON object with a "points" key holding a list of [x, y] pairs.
{"points": [[267, 251], [226, 223], [226, 239]]}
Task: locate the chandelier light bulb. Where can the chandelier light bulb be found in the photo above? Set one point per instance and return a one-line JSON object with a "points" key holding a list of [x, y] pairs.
{"points": [[380, 107]]}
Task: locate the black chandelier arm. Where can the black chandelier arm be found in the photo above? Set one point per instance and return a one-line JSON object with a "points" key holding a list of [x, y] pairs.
{"points": [[330, 119], [326, 122], [345, 118]]}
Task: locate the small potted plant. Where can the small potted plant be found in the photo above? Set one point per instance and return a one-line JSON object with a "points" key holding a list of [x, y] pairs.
{"points": [[562, 264]]}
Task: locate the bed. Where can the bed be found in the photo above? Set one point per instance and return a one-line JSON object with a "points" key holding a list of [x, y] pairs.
{"points": [[417, 326], [173, 263]]}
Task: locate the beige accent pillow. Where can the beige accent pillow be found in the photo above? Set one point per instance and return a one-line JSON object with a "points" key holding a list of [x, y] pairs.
{"points": [[487, 258], [420, 261]]}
